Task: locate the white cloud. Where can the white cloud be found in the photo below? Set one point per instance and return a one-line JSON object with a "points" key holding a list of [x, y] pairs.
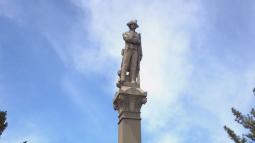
{"points": [[78, 97], [165, 67], [216, 92], [1, 95], [84, 102], [30, 132], [168, 137], [9, 9], [167, 70], [30, 138]]}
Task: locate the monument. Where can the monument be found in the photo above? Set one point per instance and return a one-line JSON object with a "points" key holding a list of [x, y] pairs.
{"points": [[129, 97]]}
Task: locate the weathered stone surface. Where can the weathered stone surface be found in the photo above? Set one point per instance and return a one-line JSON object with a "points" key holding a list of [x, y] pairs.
{"points": [[128, 102], [132, 55], [130, 97]]}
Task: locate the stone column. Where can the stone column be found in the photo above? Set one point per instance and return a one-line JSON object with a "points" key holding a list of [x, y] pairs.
{"points": [[128, 102]]}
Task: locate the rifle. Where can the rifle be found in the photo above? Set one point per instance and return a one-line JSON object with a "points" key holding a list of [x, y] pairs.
{"points": [[139, 50]]}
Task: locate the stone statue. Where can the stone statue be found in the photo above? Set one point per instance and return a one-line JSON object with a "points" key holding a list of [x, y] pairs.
{"points": [[129, 97], [132, 55]]}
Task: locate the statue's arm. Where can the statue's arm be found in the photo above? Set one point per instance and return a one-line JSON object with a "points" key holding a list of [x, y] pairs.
{"points": [[128, 38]]}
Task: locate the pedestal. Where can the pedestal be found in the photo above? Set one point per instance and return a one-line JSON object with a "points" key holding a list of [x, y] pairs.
{"points": [[128, 102]]}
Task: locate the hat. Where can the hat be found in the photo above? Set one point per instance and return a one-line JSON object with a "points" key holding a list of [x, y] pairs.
{"points": [[132, 22]]}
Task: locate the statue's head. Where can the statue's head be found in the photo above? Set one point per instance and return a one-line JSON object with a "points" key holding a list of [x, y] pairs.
{"points": [[132, 24]]}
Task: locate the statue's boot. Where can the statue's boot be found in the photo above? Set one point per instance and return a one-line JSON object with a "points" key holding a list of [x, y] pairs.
{"points": [[133, 75], [123, 73]]}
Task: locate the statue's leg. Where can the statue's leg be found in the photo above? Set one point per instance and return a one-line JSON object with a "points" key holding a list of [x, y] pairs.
{"points": [[126, 62], [133, 67]]}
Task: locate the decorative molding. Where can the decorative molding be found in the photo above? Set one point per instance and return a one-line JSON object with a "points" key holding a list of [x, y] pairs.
{"points": [[128, 103]]}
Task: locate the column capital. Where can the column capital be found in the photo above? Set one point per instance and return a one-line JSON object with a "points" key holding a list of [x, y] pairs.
{"points": [[128, 102]]}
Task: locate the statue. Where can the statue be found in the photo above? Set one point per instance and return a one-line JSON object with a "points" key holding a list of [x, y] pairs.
{"points": [[132, 55], [129, 97]]}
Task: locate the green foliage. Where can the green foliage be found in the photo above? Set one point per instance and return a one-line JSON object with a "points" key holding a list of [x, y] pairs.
{"points": [[248, 122], [3, 123], [233, 136]]}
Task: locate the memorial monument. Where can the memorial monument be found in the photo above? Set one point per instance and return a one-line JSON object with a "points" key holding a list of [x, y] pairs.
{"points": [[129, 97]]}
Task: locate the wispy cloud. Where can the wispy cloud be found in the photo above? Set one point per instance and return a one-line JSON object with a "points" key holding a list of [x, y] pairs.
{"points": [[79, 97], [86, 102], [8, 9], [30, 138], [168, 137], [176, 86], [166, 40], [1, 93], [188, 85], [30, 132]]}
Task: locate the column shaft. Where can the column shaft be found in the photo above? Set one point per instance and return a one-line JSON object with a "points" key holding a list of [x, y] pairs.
{"points": [[128, 103]]}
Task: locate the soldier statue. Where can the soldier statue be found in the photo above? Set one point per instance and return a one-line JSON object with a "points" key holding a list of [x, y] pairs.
{"points": [[132, 55]]}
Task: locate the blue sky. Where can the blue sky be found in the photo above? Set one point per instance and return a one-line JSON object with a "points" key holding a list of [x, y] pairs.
{"points": [[58, 64]]}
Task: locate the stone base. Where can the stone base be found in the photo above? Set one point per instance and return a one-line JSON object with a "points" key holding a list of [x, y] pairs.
{"points": [[128, 102]]}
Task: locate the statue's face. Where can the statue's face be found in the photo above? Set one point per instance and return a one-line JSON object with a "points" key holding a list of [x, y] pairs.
{"points": [[132, 26]]}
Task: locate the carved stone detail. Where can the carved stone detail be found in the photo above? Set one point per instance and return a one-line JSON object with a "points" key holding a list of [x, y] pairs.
{"points": [[129, 101], [130, 97]]}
